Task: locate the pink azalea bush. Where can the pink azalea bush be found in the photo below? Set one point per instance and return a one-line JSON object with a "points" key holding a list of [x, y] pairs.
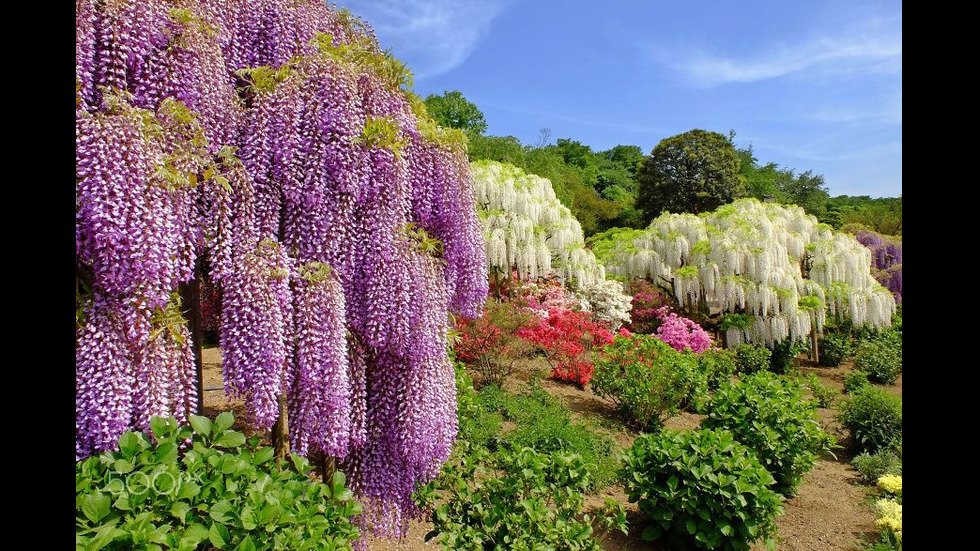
{"points": [[680, 332]]}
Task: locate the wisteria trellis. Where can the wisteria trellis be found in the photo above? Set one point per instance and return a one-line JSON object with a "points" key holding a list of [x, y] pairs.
{"points": [[275, 139]]}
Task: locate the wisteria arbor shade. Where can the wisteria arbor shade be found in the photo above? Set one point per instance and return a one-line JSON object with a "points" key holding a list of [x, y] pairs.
{"points": [[775, 264], [526, 228], [274, 139]]}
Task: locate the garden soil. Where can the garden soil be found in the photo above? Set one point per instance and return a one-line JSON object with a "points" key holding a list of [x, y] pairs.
{"points": [[830, 512]]}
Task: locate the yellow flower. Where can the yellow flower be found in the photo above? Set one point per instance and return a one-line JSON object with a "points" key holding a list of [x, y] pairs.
{"points": [[891, 484]]}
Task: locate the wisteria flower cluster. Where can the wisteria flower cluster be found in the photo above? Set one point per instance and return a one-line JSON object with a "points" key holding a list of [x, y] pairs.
{"points": [[886, 257], [275, 140]]}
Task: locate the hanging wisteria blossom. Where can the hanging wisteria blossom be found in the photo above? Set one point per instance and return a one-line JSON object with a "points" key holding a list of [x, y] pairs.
{"points": [[274, 139], [775, 264], [526, 228]]}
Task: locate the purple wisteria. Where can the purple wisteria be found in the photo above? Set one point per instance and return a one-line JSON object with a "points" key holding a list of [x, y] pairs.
{"points": [[886, 259], [274, 139]]}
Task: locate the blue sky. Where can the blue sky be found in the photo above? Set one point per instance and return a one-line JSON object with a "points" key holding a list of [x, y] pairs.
{"points": [[813, 85]]}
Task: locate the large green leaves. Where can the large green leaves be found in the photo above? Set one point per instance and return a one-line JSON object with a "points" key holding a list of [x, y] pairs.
{"points": [[221, 492]]}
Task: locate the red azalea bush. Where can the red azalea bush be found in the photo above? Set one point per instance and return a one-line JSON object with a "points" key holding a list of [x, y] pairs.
{"points": [[647, 300], [567, 338], [491, 344]]}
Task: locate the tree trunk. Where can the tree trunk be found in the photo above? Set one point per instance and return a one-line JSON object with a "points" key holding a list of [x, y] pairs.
{"points": [[280, 431], [328, 467], [190, 296]]}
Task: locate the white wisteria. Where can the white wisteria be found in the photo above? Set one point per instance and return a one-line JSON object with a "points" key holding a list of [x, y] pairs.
{"points": [[527, 228], [775, 264]]}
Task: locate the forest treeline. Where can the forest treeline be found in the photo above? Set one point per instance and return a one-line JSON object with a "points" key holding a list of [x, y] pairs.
{"points": [[692, 172]]}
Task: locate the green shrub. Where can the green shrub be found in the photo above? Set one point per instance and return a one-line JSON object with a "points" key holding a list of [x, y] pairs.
{"points": [[774, 418], [221, 491], [824, 395], [751, 358], [715, 366], [544, 424], [478, 425], [530, 501], [701, 488], [872, 466], [646, 378], [874, 418], [782, 354], [834, 348], [880, 358], [855, 381]]}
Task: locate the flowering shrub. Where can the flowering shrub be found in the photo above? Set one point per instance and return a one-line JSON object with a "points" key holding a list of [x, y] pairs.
{"points": [[889, 513], [647, 379], [490, 344], [886, 257], [545, 295], [567, 339], [647, 300], [891, 483], [607, 301], [681, 333]]}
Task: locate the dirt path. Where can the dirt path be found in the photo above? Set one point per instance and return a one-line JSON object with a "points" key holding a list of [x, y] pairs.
{"points": [[828, 513]]}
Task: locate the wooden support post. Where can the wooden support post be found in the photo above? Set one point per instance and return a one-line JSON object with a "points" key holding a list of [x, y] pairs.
{"points": [[814, 345]]}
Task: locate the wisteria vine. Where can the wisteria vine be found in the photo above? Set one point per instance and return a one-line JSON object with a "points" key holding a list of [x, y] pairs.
{"points": [[275, 141]]}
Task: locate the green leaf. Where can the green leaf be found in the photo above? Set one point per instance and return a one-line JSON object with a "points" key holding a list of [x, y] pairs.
{"points": [[263, 456], [201, 425], [246, 545], [195, 534], [160, 426], [218, 535], [692, 527], [104, 536], [129, 444], [224, 421], [230, 439], [179, 510], [123, 466], [652, 533], [167, 452], [96, 506], [188, 490], [122, 503], [222, 511]]}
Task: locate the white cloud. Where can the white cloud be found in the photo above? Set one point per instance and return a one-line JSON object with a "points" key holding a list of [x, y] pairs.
{"points": [[874, 48], [888, 111], [432, 36]]}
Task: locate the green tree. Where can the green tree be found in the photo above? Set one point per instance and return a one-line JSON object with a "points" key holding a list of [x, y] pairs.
{"points": [[760, 181], [696, 171], [503, 149], [626, 156], [453, 110], [805, 189]]}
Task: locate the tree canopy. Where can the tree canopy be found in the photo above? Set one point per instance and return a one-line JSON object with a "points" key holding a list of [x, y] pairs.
{"points": [[452, 110], [695, 172]]}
